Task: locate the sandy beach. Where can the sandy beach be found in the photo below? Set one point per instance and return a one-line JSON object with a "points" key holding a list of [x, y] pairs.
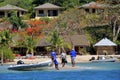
{"points": [[79, 58]]}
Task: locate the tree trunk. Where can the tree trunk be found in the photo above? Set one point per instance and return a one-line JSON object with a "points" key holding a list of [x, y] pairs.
{"points": [[32, 52], [117, 33], [114, 30], [2, 58]]}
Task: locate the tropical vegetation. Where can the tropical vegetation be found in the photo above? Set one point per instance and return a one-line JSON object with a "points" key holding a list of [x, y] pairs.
{"points": [[71, 21], [5, 50]]}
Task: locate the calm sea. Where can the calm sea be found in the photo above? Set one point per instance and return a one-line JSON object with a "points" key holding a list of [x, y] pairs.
{"points": [[84, 71]]}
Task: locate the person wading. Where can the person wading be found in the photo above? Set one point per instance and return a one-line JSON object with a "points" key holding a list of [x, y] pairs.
{"points": [[73, 56], [63, 59], [54, 60]]}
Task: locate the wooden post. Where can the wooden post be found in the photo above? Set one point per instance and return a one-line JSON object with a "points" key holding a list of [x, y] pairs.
{"points": [[6, 14]]}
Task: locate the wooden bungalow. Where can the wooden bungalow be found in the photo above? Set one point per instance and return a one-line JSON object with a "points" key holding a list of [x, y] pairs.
{"points": [[5, 11], [47, 10], [105, 47], [79, 42], [41, 47], [93, 7]]}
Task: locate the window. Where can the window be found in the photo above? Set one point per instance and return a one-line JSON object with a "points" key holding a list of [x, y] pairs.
{"points": [[2, 14], [41, 13], [52, 12]]}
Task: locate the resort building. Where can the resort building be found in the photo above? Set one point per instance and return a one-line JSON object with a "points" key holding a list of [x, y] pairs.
{"points": [[5, 11], [93, 7], [41, 47], [79, 42], [105, 47], [47, 10]]}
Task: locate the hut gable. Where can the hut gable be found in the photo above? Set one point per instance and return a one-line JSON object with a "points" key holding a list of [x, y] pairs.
{"points": [[105, 42], [79, 40], [105, 47], [47, 6], [42, 43], [5, 10], [76, 40], [93, 5], [11, 7]]}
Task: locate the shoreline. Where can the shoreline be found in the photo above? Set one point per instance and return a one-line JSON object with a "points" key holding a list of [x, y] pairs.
{"points": [[79, 58]]}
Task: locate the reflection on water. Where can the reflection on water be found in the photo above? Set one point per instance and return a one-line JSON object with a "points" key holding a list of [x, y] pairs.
{"points": [[84, 71]]}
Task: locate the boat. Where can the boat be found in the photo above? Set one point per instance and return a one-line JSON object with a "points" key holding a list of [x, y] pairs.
{"points": [[32, 66], [103, 59]]}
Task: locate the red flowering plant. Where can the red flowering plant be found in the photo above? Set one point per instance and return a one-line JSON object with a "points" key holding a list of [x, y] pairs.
{"points": [[35, 28]]}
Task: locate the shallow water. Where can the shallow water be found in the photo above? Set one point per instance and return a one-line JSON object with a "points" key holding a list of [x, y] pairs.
{"points": [[84, 71]]}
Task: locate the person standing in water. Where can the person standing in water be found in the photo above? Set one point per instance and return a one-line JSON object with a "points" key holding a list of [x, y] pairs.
{"points": [[73, 56], [54, 60], [63, 59]]}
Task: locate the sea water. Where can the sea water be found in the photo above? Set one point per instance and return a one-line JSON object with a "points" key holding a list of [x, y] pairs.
{"points": [[84, 71]]}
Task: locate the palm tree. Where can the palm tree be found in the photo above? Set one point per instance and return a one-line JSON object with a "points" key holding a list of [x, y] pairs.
{"points": [[56, 41], [5, 37], [5, 40], [30, 44]]}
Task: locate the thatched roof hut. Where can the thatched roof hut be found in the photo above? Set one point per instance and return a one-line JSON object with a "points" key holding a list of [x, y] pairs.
{"points": [[47, 6], [9, 7], [93, 7], [105, 47], [4, 10], [47, 10], [79, 42]]}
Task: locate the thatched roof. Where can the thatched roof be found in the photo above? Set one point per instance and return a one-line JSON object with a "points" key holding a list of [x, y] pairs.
{"points": [[93, 5], [105, 42], [43, 43], [11, 7], [48, 6], [76, 40]]}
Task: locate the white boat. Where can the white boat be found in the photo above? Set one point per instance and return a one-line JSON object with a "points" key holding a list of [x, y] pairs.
{"points": [[103, 59], [32, 66]]}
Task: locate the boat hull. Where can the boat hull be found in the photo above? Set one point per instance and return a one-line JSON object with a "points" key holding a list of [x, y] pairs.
{"points": [[105, 60], [32, 66]]}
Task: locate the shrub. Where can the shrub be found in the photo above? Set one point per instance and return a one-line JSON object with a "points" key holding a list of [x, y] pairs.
{"points": [[7, 53]]}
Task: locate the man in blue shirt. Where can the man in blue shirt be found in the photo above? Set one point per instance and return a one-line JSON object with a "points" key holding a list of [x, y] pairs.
{"points": [[54, 60], [73, 56]]}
